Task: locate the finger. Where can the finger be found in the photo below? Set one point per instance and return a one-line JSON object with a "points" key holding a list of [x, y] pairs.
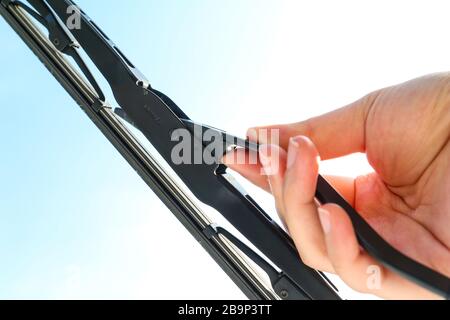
{"points": [[300, 207], [273, 160], [249, 170], [252, 172], [356, 268], [345, 186], [335, 134]]}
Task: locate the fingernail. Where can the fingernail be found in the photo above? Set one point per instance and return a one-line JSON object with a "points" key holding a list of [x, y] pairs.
{"points": [[324, 217], [269, 162], [292, 152], [264, 155], [252, 134], [265, 159]]}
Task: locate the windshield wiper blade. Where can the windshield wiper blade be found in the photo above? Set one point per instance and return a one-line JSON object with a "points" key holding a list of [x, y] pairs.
{"points": [[192, 218], [224, 252], [158, 117]]}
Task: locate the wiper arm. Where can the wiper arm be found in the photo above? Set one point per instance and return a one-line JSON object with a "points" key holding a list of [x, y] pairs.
{"points": [[158, 117], [222, 249]]}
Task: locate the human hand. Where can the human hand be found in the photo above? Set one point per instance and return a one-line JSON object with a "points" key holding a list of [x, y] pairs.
{"points": [[405, 132]]}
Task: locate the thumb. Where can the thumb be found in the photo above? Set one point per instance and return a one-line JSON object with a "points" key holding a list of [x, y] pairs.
{"points": [[335, 134]]}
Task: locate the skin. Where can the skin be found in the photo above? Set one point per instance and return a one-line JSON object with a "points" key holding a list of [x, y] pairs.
{"points": [[404, 130]]}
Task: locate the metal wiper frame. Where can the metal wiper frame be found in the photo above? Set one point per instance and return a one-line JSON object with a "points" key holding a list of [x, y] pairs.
{"points": [[157, 117]]}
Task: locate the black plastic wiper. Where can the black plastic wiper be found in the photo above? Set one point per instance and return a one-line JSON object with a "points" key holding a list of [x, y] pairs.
{"points": [[226, 256], [158, 117]]}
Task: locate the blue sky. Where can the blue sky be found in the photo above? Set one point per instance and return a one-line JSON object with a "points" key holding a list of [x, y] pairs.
{"points": [[71, 209], [77, 222]]}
